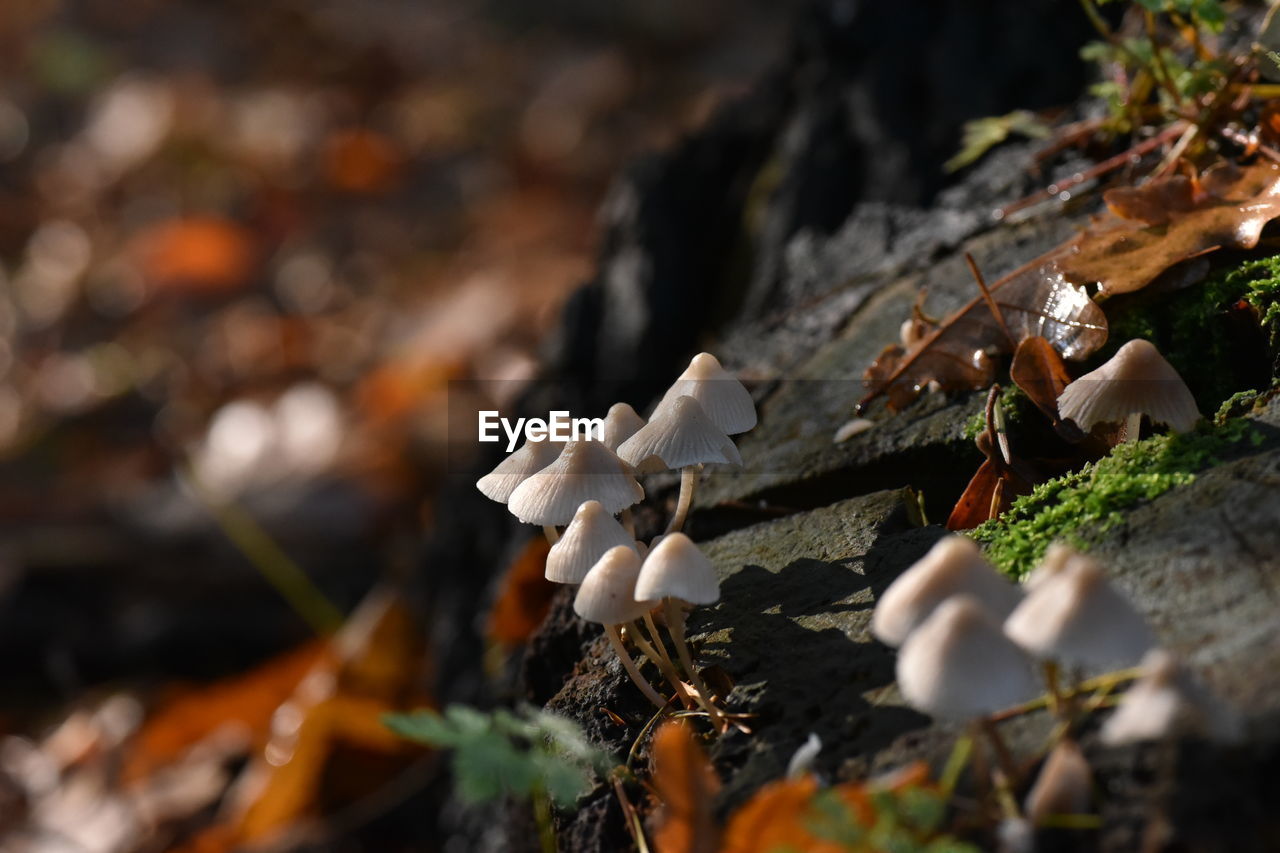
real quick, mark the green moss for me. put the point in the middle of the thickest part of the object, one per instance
(1194, 331)
(1092, 500)
(1012, 402)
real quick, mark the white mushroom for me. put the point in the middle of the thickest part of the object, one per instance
(1064, 786)
(680, 435)
(620, 423)
(954, 566)
(591, 533)
(1076, 617)
(721, 395)
(519, 466)
(1166, 702)
(959, 665)
(607, 597)
(584, 470)
(677, 571)
(1136, 381)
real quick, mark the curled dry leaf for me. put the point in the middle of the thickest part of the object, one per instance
(1041, 374)
(686, 784)
(1170, 220)
(1034, 300)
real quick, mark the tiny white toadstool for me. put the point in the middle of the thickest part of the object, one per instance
(607, 596)
(953, 566)
(719, 392)
(677, 571)
(680, 435)
(591, 533)
(1076, 617)
(1063, 787)
(1166, 702)
(1136, 381)
(529, 459)
(959, 665)
(620, 423)
(1056, 558)
(584, 470)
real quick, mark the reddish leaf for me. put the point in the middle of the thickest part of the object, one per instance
(983, 499)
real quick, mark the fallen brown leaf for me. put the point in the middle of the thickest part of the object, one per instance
(524, 596)
(1173, 219)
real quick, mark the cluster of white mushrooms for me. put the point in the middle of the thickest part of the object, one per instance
(969, 640)
(581, 493)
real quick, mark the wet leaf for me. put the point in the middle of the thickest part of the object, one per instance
(1173, 219)
(1034, 300)
(686, 784)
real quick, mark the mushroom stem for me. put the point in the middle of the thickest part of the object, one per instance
(660, 658)
(675, 624)
(688, 482)
(1003, 757)
(615, 640)
(628, 522)
(1057, 701)
(553, 535)
(1132, 427)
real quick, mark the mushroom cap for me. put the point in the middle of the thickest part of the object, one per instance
(1166, 702)
(1076, 616)
(1064, 785)
(519, 466)
(584, 471)
(952, 567)
(679, 434)
(1136, 379)
(721, 395)
(591, 533)
(607, 594)
(677, 568)
(620, 423)
(1056, 558)
(959, 664)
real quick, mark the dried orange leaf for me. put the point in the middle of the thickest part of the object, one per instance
(686, 784)
(200, 255)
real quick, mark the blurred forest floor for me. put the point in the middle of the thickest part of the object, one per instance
(244, 246)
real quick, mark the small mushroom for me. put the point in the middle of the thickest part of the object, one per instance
(1166, 702)
(1064, 786)
(1076, 617)
(589, 536)
(680, 435)
(607, 597)
(675, 572)
(954, 566)
(584, 470)
(620, 423)
(721, 395)
(519, 466)
(959, 665)
(1136, 381)
(1056, 558)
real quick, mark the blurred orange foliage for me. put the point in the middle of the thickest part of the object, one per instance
(524, 596)
(200, 255)
(686, 784)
